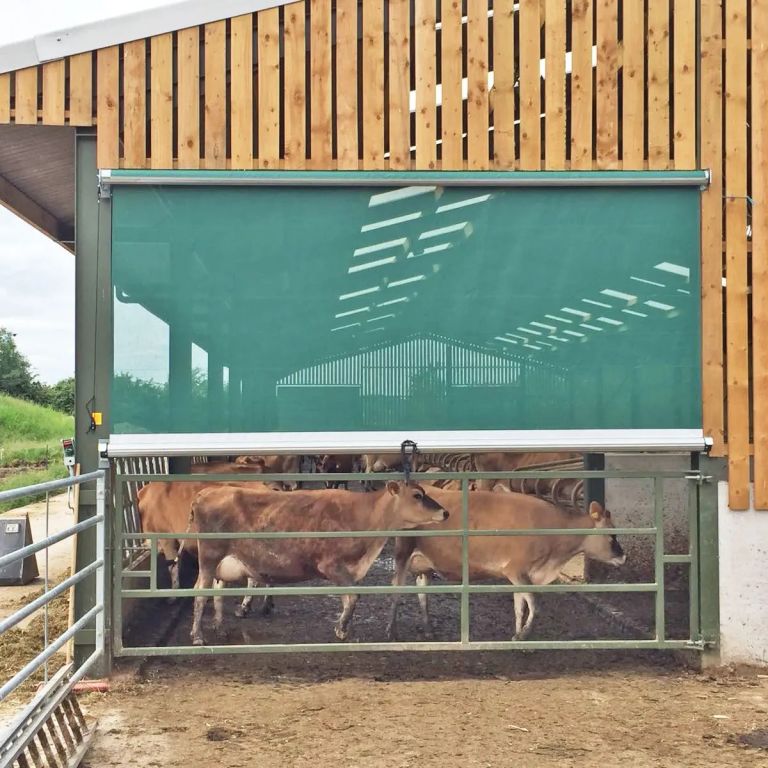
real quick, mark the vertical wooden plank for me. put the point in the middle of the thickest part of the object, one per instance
(107, 107)
(633, 88)
(188, 96)
(554, 96)
(53, 93)
(373, 79)
(241, 90)
(161, 95)
(426, 111)
(712, 224)
(503, 94)
(530, 85)
(269, 87)
(134, 104)
(5, 98)
(81, 89)
(346, 83)
(581, 85)
(685, 84)
(320, 118)
(216, 95)
(736, 252)
(26, 96)
(658, 84)
(607, 89)
(295, 88)
(760, 249)
(399, 84)
(477, 85)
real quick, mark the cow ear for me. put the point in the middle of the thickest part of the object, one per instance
(393, 487)
(596, 511)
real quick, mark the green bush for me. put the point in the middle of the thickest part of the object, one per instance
(29, 477)
(29, 433)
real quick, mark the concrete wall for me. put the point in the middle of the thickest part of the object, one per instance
(743, 539)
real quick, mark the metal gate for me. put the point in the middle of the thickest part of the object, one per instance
(51, 729)
(126, 585)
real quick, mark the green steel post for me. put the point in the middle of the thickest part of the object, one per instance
(117, 572)
(465, 561)
(693, 567)
(709, 576)
(153, 564)
(658, 513)
(93, 358)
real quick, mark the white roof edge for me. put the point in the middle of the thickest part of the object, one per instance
(123, 29)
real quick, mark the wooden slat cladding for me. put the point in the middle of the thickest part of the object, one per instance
(736, 252)
(713, 408)
(425, 68)
(353, 85)
(241, 89)
(269, 89)
(399, 83)
(607, 90)
(188, 106)
(161, 84)
(215, 88)
(135, 105)
(760, 249)
(347, 68)
(554, 99)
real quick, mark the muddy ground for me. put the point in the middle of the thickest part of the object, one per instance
(537, 710)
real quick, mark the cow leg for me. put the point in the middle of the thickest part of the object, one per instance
(522, 601)
(218, 611)
(337, 574)
(424, 580)
(267, 605)
(205, 580)
(403, 551)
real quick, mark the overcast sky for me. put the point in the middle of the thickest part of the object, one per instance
(37, 277)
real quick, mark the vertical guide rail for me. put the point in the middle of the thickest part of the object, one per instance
(117, 573)
(658, 515)
(694, 629)
(153, 564)
(465, 561)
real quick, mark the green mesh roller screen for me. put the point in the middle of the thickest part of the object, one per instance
(332, 308)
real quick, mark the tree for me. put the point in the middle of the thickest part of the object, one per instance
(16, 376)
(61, 396)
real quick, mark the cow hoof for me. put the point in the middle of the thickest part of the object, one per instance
(341, 634)
(391, 634)
(241, 612)
(198, 641)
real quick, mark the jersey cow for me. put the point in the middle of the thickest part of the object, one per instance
(520, 559)
(343, 561)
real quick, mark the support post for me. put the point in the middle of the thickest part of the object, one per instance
(93, 367)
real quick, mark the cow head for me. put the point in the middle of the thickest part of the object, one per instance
(605, 548)
(413, 505)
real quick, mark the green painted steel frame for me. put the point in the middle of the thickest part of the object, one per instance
(464, 589)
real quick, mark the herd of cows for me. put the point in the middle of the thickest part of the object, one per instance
(240, 506)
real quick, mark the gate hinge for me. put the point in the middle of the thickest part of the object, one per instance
(698, 478)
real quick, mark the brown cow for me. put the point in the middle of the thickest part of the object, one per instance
(282, 463)
(502, 462)
(520, 559)
(343, 561)
(342, 462)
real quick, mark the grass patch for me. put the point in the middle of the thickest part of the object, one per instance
(55, 471)
(30, 433)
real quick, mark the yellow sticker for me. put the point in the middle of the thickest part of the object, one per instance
(97, 418)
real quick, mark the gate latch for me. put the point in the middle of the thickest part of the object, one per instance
(698, 478)
(408, 451)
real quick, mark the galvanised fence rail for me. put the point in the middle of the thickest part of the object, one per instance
(464, 589)
(52, 722)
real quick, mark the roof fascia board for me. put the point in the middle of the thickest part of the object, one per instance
(123, 29)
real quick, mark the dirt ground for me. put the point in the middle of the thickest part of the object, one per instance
(537, 710)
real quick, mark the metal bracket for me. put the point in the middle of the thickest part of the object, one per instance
(698, 478)
(105, 184)
(103, 454)
(408, 451)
